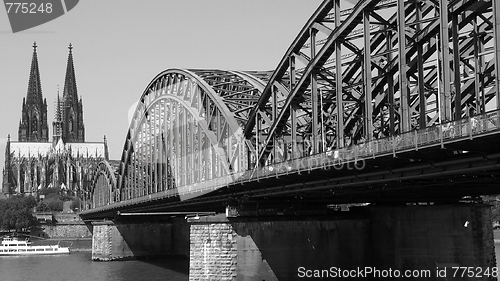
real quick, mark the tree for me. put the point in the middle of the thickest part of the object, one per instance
(29, 201)
(54, 204)
(15, 213)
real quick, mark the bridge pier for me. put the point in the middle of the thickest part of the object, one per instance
(424, 238)
(116, 240)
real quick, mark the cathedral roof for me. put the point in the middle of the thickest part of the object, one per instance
(35, 149)
(92, 149)
(23, 149)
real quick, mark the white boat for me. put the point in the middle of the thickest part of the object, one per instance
(12, 246)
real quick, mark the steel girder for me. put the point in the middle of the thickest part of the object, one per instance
(325, 74)
(186, 129)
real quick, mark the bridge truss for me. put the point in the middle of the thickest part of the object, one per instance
(364, 80)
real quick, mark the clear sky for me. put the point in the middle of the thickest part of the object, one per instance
(120, 46)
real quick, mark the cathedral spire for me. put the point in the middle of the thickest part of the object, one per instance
(34, 84)
(33, 127)
(73, 129)
(70, 93)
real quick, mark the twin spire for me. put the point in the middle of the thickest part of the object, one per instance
(34, 84)
(68, 117)
(69, 91)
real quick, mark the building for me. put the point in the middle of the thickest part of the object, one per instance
(66, 161)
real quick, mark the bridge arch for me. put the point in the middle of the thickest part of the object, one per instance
(103, 189)
(187, 128)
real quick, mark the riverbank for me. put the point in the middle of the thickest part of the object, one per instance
(75, 244)
(61, 225)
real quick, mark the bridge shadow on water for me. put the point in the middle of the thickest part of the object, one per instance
(178, 264)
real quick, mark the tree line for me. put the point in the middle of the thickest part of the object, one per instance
(16, 212)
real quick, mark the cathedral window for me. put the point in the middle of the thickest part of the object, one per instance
(71, 124)
(34, 126)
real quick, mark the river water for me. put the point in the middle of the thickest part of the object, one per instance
(78, 266)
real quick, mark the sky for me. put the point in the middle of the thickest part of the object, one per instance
(119, 46)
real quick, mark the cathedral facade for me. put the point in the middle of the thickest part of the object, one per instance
(66, 161)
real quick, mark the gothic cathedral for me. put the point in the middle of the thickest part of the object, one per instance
(65, 162)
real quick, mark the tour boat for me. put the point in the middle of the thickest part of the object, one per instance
(12, 246)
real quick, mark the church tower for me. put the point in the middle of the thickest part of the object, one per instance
(57, 124)
(70, 108)
(33, 124)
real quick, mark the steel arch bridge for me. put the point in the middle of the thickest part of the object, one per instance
(359, 81)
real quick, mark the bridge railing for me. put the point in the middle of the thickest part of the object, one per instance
(352, 157)
(413, 140)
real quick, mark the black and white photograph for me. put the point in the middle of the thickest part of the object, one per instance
(265, 140)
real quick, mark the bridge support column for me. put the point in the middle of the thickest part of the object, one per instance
(121, 241)
(403, 238)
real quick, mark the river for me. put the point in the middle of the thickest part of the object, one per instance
(78, 266)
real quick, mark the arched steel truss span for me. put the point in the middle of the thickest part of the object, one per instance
(372, 79)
